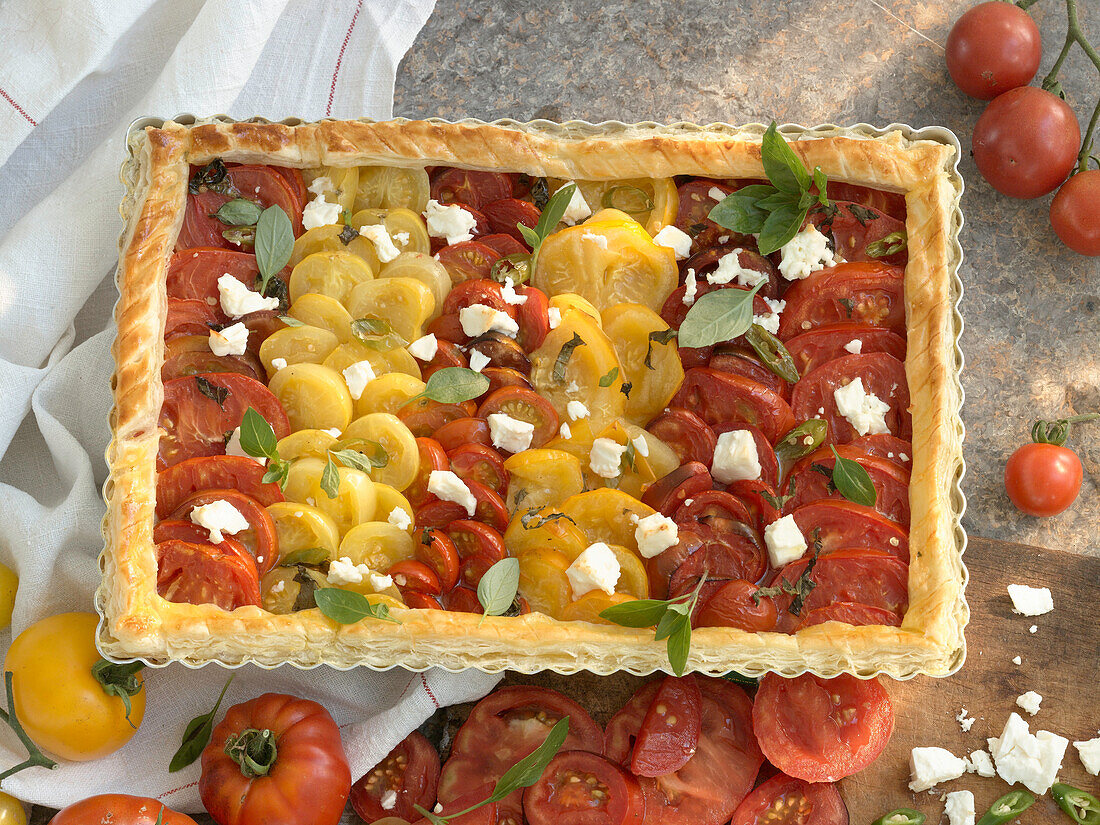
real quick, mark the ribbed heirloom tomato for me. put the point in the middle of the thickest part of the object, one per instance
(120, 809)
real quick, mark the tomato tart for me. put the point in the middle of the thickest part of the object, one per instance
(538, 396)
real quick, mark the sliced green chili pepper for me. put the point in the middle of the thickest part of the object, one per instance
(1008, 807)
(803, 439)
(902, 816)
(608, 201)
(772, 352)
(516, 266)
(1080, 806)
(892, 244)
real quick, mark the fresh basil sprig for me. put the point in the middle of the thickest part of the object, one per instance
(258, 440)
(776, 212)
(671, 617)
(197, 734)
(453, 385)
(498, 587)
(349, 607)
(330, 478)
(718, 316)
(852, 481)
(274, 243)
(548, 221)
(525, 773)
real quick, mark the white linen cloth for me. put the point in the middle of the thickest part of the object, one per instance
(73, 74)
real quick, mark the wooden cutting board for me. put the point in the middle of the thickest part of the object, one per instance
(1061, 661)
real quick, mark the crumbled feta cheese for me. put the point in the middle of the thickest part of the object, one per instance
(344, 571)
(278, 363)
(451, 222)
(357, 376)
(424, 348)
(594, 569)
(402, 238)
(218, 517)
(572, 387)
(577, 209)
(378, 582)
(576, 410)
(233, 340)
(1032, 759)
(691, 288)
(675, 239)
(1033, 629)
(641, 446)
(729, 269)
(785, 541)
(864, 410)
(599, 240)
(735, 457)
(478, 360)
(770, 322)
(321, 185)
(478, 319)
(447, 486)
(278, 587)
(714, 193)
(903, 456)
(855, 346)
(606, 457)
(960, 808)
(1030, 702)
(319, 212)
(1089, 751)
(723, 239)
(655, 534)
(233, 447)
(806, 252)
(237, 300)
(965, 722)
(931, 766)
(388, 800)
(399, 518)
(1016, 660)
(509, 294)
(980, 763)
(509, 433)
(564, 431)
(1030, 601)
(553, 317)
(383, 243)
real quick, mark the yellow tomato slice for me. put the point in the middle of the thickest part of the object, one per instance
(399, 223)
(542, 477)
(652, 202)
(399, 360)
(589, 606)
(352, 353)
(378, 545)
(405, 302)
(652, 365)
(571, 300)
(605, 515)
(314, 397)
(542, 580)
(424, 268)
(389, 393)
(400, 446)
(297, 345)
(391, 187)
(636, 473)
(633, 579)
(324, 312)
(333, 273)
(279, 588)
(584, 366)
(327, 239)
(344, 179)
(556, 533)
(305, 444)
(388, 500)
(355, 500)
(631, 268)
(662, 458)
(301, 527)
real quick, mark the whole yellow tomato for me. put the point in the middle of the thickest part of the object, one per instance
(9, 583)
(69, 701)
(12, 811)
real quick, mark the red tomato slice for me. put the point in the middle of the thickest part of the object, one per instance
(739, 360)
(260, 538)
(432, 456)
(451, 185)
(719, 399)
(890, 203)
(220, 472)
(479, 230)
(715, 780)
(479, 547)
(417, 600)
(886, 447)
(187, 355)
(476, 462)
(732, 605)
(410, 771)
(190, 532)
(881, 374)
(463, 600)
(812, 349)
(202, 574)
(485, 815)
(477, 291)
(670, 491)
(868, 293)
(504, 244)
(695, 203)
(261, 184)
(194, 273)
(714, 508)
(189, 316)
(503, 728)
(533, 318)
(838, 523)
(850, 613)
(447, 354)
(733, 552)
(783, 800)
(415, 576)
(423, 416)
(765, 453)
(438, 551)
(686, 433)
(523, 405)
(812, 478)
(582, 788)
(501, 351)
(293, 179)
(759, 498)
(821, 730)
(859, 576)
(490, 509)
(468, 260)
(669, 733)
(854, 226)
(470, 430)
(195, 425)
(505, 213)
(744, 247)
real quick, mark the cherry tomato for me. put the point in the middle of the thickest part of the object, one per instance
(119, 809)
(669, 492)
(437, 550)
(454, 434)
(686, 433)
(463, 600)
(178, 529)
(183, 480)
(817, 347)
(468, 260)
(670, 730)
(582, 788)
(505, 213)
(261, 184)
(490, 509)
(744, 247)
(1043, 479)
(524, 405)
(720, 398)
(695, 203)
(410, 771)
(416, 600)
(783, 800)
(1073, 213)
(812, 480)
(533, 318)
(500, 377)
(307, 779)
(838, 524)
(1026, 142)
(479, 547)
(451, 185)
(203, 574)
(882, 375)
(259, 537)
(821, 730)
(477, 291)
(416, 576)
(504, 244)
(424, 416)
(477, 462)
(502, 352)
(866, 292)
(992, 48)
(732, 605)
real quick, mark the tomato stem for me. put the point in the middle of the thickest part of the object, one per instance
(1075, 34)
(254, 750)
(35, 757)
(1056, 432)
(119, 680)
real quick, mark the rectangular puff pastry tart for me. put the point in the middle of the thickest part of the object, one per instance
(537, 396)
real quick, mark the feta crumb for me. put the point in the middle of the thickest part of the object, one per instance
(357, 376)
(233, 447)
(577, 209)
(478, 360)
(1032, 759)
(785, 541)
(564, 431)
(723, 239)
(383, 243)
(278, 364)
(451, 222)
(729, 269)
(509, 294)
(960, 808)
(806, 252)
(553, 317)
(903, 456)
(1030, 702)
(478, 319)
(388, 800)
(735, 457)
(509, 433)
(655, 534)
(1089, 751)
(218, 517)
(424, 348)
(675, 239)
(447, 486)
(378, 582)
(335, 432)
(233, 340)
(965, 722)
(855, 346)
(691, 288)
(1033, 629)
(599, 240)
(237, 300)
(606, 456)
(344, 571)
(770, 322)
(321, 185)
(278, 587)
(980, 763)
(931, 766)
(402, 238)
(863, 410)
(716, 194)
(1030, 601)
(596, 568)
(319, 212)
(1016, 660)
(576, 410)
(641, 446)
(399, 518)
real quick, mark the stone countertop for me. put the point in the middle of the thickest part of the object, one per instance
(1032, 308)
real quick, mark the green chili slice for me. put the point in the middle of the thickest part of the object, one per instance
(1080, 806)
(516, 266)
(889, 245)
(608, 201)
(803, 439)
(1008, 807)
(902, 816)
(772, 352)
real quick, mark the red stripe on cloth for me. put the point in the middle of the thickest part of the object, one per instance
(32, 122)
(177, 790)
(340, 58)
(428, 690)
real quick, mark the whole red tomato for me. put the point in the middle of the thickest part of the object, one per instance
(992, 48)
(1026, 142)
(119, 809)
(1075, 212)
(275, 760)
(1043, 479)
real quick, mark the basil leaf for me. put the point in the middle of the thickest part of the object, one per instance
(802, 440)
(527, 771)
(782, 166)
(678, 646)
(661, 336)
(348, 607)
(274, 242)
(739, 211)
(278, 472)
(564, 355)
(718, 316)
(213, 177)
(772, 352)
(309, 556)
(780, 199)
(358, 459)
(609, 379)
(377, 334)
(852, 481)
(669, 624)
(212, 391)
(453, 385)
(197, 734)
(291, 321)
(239, 212)
(822, 184)
(530, 235)
(781, 225)
(555, 208)
(257, 437)
(330, 479)
(498, 586)
(861, 213)
(636, 613)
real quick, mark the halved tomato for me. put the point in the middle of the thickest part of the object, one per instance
(220, 472)
(744, 248)
(472, 186)
(424, 416)
(816, 347)
(759, 498)
(719, 398)
(461, 431)
(731, 551)
(881, 375)
(490, 509)
(479, 547)
(523, 405)
(851, 613)
(669, 734)
(506, 213)
(582, 788)
(447, 354)
(437, 550)
(669, 492)
(260, 184)
(502, 352)
(181, 530)
(431, 456)
(854, 227)
(687, 434)
(259, 538)
(888, 447)
(821, 730)
(415, 576)
(480, 463)
(533, 318)
(867, 293)
(202, 574)
(468, 260)
(674, 310)
(812, 480)
(463, 600)
(477, 291)
(504, 244)
(838, 523)
(410, 771)
(733, 605)
(189, 316)
(783, 800)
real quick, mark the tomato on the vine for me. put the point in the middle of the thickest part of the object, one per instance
(992, 48)
(1074, 215)
(120, 809)
(1043, 478)
(12, 811)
